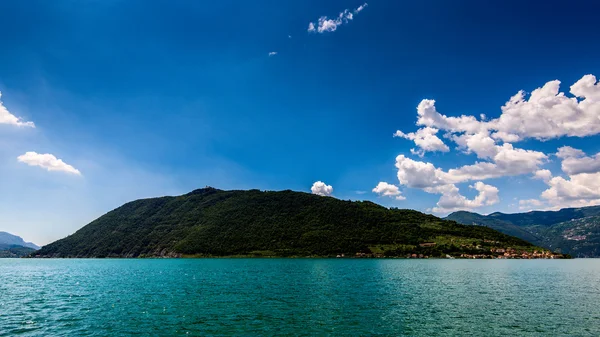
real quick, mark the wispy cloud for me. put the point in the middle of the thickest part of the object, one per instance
(360, 8)
(48, 162)
(325, 24)
(273, 53)
(7, 118)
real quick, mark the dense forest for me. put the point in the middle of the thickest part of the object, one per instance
(212, 222)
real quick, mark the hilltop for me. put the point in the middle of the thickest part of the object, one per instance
(212, 222)
(574, 231)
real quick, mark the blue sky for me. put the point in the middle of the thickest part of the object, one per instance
(148, 98)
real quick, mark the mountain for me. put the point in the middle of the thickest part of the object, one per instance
(14, 251)
(212, 222)
(574, 231)
(10, 239)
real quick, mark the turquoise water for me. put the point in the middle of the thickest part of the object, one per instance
(268, 297)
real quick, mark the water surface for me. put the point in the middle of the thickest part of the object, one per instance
(193, 297)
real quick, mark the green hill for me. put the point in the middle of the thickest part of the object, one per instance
(212, 222)
(574, 231)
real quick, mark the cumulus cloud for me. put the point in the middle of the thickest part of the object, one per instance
(479, 143)
(7, 118)
(388, 190)
(451, 200)
(547, 113)
(575, 191)
(580, 163)
(569, 152)
(507, 162)
(48, 162)
(544, 114)
(325, 24)
(418, 174)
(273, 53)
(320, 188)
(544, 175)
(426, 139)
(581, 187)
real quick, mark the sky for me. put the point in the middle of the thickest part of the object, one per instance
(431, 105)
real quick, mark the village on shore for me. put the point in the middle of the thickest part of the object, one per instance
(482, 253)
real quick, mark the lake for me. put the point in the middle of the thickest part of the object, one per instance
(268, 297)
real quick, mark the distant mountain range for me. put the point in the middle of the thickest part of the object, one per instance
(10, 239)
(574, 231)
(212, 222)
(14, 246)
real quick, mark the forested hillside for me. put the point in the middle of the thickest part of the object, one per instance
(212, 222)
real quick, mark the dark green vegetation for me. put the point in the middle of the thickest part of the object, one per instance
(212, 222)
(574, 231)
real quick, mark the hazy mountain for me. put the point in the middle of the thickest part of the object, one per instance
(14, 251)
(575, 231)
(10, 239)
(285, 223)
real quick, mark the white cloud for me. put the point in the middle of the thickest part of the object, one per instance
(7, 118)
(544, 175)
(273, 53)
(518, 161)
(328, 25)
(48, 162)
(429, 116)
(547, 113)
(479, 143)
(325, 24)
(544, 114)
(451, 200)
(360, 8)
(388, 190)
(320, 188)
(508, 161)
(426, 139)
(581, 163)
(568, 152)
(418, 174)
(582, 185)
(576, 191)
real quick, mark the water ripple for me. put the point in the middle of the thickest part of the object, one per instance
(230, 297)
